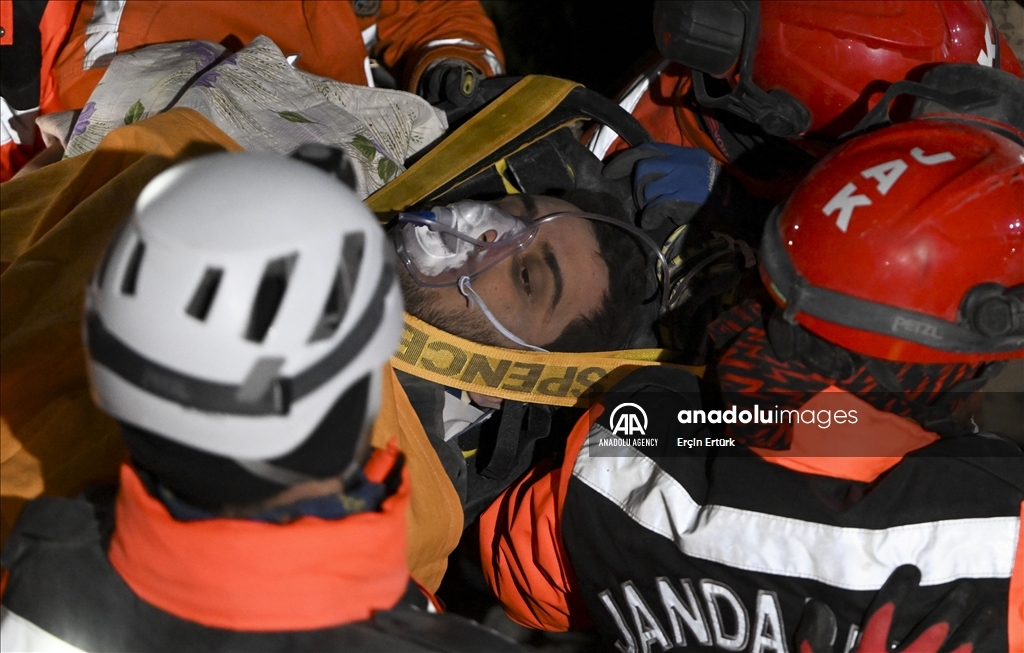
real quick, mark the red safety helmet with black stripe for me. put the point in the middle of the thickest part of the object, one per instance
(815, 68)
(907, 244)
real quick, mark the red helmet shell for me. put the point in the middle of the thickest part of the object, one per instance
(837, 56)
(913, 217)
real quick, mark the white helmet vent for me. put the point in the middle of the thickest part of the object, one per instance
(265, 291)
(269, 296)
(131, 273)
(341, 290)
(199, 306)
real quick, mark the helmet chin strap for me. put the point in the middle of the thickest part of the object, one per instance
(474, 299)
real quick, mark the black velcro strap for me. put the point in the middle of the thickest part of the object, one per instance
(514, 441)
(504, 457)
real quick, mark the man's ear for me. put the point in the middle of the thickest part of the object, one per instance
(485, 401)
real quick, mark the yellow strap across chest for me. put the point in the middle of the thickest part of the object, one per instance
(556, 379)
(497, 125)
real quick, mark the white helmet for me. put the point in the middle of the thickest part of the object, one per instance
(244, 296)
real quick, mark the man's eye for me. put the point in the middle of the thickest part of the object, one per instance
(525, 276)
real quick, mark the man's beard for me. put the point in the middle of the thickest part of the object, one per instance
(469, 323)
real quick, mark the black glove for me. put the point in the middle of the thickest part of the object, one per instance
(669, 181)
(449, 81)
(955, 626)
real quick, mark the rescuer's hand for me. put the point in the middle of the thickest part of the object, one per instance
(955, 626)
(669, 181)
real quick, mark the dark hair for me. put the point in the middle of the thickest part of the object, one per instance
(619, 318)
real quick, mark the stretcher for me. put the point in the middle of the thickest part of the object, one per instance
(56, 221)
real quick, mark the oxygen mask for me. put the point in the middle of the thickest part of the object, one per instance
(443, 245)
(463, 239)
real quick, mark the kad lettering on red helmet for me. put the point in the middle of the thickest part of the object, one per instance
(886, 175)
(845, 202)
(930, 159)
(987, 57)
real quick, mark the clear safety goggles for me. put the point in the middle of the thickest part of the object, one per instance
(447, 243)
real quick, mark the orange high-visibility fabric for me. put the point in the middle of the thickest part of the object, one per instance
(327, 35)
(860, 451)
(657, 110)
(53, 29)
(54, 225)
(7, 22)
(14, 156)
(525, 562)
(408, 33)
(435, 512)
(247, 575)
(521, 550)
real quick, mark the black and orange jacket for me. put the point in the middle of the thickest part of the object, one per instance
(217, 584)
(719, 547)
(661, 98)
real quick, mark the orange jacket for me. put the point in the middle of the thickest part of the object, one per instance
(15, 152)
(521, 550)
(333, 38)
(660, 98)
(525, 560)
(216, 572)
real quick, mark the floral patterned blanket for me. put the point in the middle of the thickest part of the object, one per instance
(262, 102)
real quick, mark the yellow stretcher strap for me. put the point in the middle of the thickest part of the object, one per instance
(432, 354)
(498, 124)
(556, 379)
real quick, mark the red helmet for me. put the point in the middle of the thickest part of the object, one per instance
(907, 244)
(815, 68)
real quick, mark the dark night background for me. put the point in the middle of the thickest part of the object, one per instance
(601, 46)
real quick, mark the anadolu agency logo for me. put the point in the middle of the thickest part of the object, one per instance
(628, 419)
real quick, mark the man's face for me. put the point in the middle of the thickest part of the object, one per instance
(535, 293)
